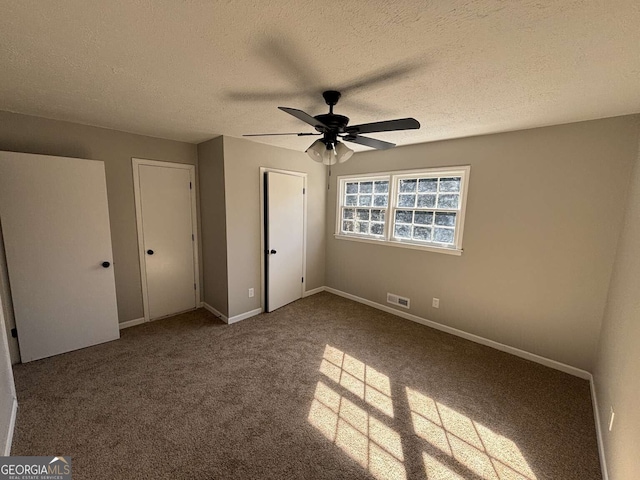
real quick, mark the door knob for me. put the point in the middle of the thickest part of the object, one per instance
(106, 264)
(273, 252)
(149, 252)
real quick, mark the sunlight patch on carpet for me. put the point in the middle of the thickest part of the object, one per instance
(366, 439)
(358, 378)
(347, 411)
(475, 447)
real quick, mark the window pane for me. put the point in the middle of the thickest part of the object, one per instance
(377, 215)
(404, 216)
(447, 219)
(448, 201)
(402, 231)
(381, 187)
(406, 200)
(443, 235)
(423, 218)
(362, 227)
(363, 214)
(364, 200)
(408, 186)
(377, 228)
(347, 226)
(422, 233)
(380, 200)
(366, 187)
(347, 213)
(428, 201)
(352, 188)
(450, 184)
(428, 185)
(351, 200)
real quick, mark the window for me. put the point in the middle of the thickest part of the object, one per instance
(417, 209)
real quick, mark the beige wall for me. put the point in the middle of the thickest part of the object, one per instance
(212, 217)
(22, 133)
(617, 372)
(242, 162)
(543, 215)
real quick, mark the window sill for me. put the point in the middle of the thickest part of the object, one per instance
(391, 243)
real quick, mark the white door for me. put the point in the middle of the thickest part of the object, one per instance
(8, 399)
(168, 239)
(55, 222)
(284, 232)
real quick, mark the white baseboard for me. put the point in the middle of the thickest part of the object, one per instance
(235, 318)
(313, 291)
(218, 314)
(468, 336)
(596, 418)
(130, 323)
(12, 424)
(242, 316)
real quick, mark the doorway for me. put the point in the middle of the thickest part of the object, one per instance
(167, 236)
(283, 236)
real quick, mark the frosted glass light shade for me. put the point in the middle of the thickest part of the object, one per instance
(343, 153)
(329, 157)
(317, 151)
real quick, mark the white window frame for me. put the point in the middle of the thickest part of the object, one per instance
(394, 178)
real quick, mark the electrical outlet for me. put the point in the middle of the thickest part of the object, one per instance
(613, 414)
(251, 292)
(435, 303)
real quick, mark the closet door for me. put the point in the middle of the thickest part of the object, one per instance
(55, 222)
(168, 237)
(284, 231)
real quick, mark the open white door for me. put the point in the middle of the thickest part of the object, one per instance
(284, 234)
(167, 236)
(55, 223)
(8, 398)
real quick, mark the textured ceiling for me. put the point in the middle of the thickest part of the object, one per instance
(192, 70)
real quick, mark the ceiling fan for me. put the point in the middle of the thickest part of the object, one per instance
(329, 150)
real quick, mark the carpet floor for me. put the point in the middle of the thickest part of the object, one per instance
(323, 388)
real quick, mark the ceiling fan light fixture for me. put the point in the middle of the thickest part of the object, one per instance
(343, 153)
(317, 151)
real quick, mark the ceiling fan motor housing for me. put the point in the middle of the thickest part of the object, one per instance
(336, 123)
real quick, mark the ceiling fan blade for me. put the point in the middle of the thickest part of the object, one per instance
(266, 96)
(305, 117)
(368, 142)
(271, 134)
(390, 74)
(385, 126)
(284, 55)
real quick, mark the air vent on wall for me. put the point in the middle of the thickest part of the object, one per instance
(398, 300)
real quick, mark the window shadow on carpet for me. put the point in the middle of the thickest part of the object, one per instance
(354, 409)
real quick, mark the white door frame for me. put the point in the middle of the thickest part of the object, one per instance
(136, 162)
(264, 170)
